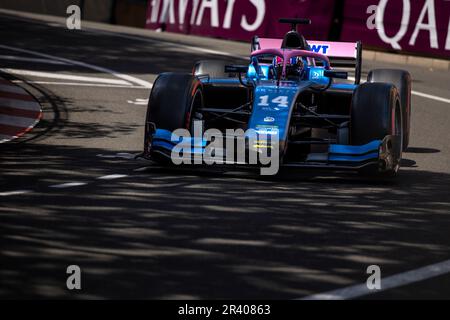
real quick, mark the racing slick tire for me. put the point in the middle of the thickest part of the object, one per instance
(402, 80)
(213, 68)
(376, 113)
(171, 103)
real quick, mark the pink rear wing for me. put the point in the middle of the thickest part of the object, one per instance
(342, 55)
(329, 48)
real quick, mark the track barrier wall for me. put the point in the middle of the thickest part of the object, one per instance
(418, 27)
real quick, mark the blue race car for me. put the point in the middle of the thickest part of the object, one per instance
(289, 90)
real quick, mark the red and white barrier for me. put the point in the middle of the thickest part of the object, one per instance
(19, 111)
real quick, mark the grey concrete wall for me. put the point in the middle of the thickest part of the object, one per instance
(98, 10)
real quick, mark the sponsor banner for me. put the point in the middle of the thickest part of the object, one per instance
(240, 19)
(412, 26)
(416, 26)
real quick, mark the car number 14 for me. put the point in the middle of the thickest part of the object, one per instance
(280, 101)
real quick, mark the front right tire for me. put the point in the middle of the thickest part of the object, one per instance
(376, 113)
(401, 79)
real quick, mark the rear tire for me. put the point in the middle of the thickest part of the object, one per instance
(376, 112)
(402, 81)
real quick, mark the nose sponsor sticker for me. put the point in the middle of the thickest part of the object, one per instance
(267, 130)
(269, 119)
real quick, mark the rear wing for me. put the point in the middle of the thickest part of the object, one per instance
(342, 55)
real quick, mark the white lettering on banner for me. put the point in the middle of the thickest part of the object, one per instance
(430, 26)
(168, 9)
(228, 14)
(394, 41)
(155, 11)
(428, 14)
(447, 43)
(213, 6)
(260, 14)
(372, 10)
(182, 6)
(163, 11)
(194, 11)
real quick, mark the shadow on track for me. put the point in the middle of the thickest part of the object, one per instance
(176, 233)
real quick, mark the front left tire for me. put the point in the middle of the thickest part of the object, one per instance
(172, 100)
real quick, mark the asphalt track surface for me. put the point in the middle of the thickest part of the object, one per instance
(71, 194)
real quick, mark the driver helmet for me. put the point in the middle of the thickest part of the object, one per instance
(294, 68)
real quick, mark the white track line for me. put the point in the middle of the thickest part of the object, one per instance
(417, 93)
(113, 176)
(14, 193)
(83, 64)
(140, 102)
(34, 60)
(68, 185)
(122, 155)
(54, 75)
(175, 44)
(78, 84)
(142, 169)
(4, 138)
(432, 97)
(63, 185)
(387, 283)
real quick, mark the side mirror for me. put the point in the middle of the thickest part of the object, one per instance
(239, 70)
(236, 69)
(335, 74)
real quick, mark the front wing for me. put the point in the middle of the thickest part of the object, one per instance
(385, 153)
